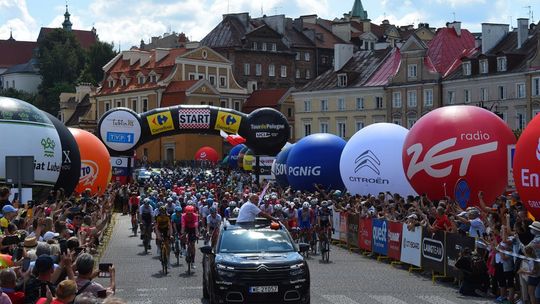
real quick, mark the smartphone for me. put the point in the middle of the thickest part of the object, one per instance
(102, 294)
(10, 240)
(104, 270)
(25, 264)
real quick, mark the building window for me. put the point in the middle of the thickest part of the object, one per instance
(141, 79)
(412, 70)
(411, 99)
(428, 97)
(191, 76)
(307, 128)
(289, 112)
(254, 45)
(307, 105)
(153, 78)
(359, 125)
(467, 68)
(308, 74)
(272, 70)
(118, 103)
(536, 86)
(324, 59)
(342, 80)
(396, 121)
(107, 106)
(341, 104)
(341, 128)
(247, 69)
(263, 46)
(237, 105)
(307, 56)
(324, 127)
(359, 103)
(145, 105)
(134, 105)
(467, 96)
(212, 79)
(201, 76)
(520, 88)
(258, 69)
(483, 66)
(283, 71)
(501, 64)
(298, 73)
(223, 81)
(379, 102)
(111, 83)
(223, 103)
(484, 94)
(396, 100)
(410, 122)
(324, 105)
(520, 122)
(298, 55)
(124, 82)
(274, 47)
(502, 92)
(451, 97)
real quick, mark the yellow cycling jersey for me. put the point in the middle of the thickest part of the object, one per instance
(162, 221)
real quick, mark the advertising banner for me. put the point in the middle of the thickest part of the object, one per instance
(380, 236)
(265, 167)
(343, 226)
(394, 240)
(411, 245)
(352, 230)
(365, 234)
(454, 244)
(433, 251)
(336, 225)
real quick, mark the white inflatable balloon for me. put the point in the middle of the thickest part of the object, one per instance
(371, 161)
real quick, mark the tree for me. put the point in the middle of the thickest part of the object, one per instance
(22, 95)
(97, 56)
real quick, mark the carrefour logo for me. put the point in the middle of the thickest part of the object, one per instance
(160, 122)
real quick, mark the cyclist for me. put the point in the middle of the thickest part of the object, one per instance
(266, 207)
(235, 212)
(324, 220)
(305, 221)
(190, 224)
(170, 206)
(279, 214)
(176, 220)
(133, 208)
(292, 215)
(212, 222)
(145, 213)
(229, 211)
(163, 227)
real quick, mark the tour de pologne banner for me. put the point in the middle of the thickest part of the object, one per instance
(336, 225)
(434, 251)
(411, 246)
(343, 226)
(454, 244)
(352, 229)
(365, 234)
(380, 238)
(394, 240)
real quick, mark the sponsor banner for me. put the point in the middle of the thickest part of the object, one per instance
(120, 130)
(411, 246)
(394, 240)
(194, 118)
(380, 236)
(336, 225)
(343, 226)
(433, 251)
(121, 162)
(89, 173)
(454, 244)
(160, 122)
(352, 229)
(365, 234)
(510, 166)
(265, 167)
(117, 171)
(228, 122)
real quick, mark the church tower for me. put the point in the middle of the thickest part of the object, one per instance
(66, 25)
(358, 11)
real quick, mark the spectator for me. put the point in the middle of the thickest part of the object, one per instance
(41, 279)
(4, 197)
(65, 293)
(85, 267)
(8, 282)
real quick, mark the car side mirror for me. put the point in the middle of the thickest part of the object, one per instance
(207, 249)
(302, 247)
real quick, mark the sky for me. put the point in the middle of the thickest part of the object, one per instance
(126, 22)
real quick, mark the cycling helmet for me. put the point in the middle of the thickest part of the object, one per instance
(236, 211)
(169, 200)
(212, 210)
(232, 204)
(146, 201)
(337, 193)
(190, 209)
(278, 207)
(162, 209)
(324, 204)
(296, 200)
(273, 196)
(305, 205)
(178, 209)
(210, 201)
(313, 202)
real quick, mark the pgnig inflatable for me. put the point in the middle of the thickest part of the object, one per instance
(266, 130)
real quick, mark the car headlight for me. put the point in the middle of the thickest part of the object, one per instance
(297, 269)
(225, 271)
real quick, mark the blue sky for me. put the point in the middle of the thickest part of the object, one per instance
(125, 22)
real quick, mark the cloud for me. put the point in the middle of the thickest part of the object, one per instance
(456, 3)
(308, 7)
(18, 20)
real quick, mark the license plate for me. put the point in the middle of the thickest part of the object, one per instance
(263, 289)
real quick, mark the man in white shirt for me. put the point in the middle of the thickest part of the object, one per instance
(249, 211)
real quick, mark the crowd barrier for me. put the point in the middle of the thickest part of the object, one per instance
(388, 240)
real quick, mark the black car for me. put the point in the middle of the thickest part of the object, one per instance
(255, 263)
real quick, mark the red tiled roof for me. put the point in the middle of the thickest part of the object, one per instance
(86, 38)
(263, 98)
(388, 69)
(447, 46)
(173, 99)
(180, 86)
(457, 63)
(15, 52)
(328, 39)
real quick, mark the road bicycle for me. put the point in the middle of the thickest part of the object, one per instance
(324, 244)
(134, 224)
(146, 234)
(165, 253)
(176, 249)
(190, 253)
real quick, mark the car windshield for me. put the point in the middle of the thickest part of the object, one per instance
(250, 241)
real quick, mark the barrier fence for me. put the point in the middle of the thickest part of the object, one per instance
(420, 249)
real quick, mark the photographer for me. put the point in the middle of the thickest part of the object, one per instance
(85, 267)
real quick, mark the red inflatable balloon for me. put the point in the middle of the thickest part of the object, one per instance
(464, 144)
(527, 167)
(207, 153)
(95, 162)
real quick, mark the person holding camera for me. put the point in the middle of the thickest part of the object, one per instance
(85, 267)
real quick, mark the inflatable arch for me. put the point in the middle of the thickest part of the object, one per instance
(266, 130)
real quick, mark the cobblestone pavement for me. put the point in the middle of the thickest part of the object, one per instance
(349, 279)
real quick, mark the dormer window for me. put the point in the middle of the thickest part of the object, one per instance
(152, 77)
(483, 66)
(501, 64)
(111, 83)
(124, 81)
(274, 47)
(466, 68)
(264, 46)
(254, 45)
(141, 79)
(342, 80)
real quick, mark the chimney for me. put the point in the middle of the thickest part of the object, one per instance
(366, 25)
(492, 33)
(522, 31)
(456, 25)
(309, 19)
(342, 30)
(342, 54)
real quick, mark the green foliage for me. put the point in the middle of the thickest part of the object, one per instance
(13, 93)
(97, 56)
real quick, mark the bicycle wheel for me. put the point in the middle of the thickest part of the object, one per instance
(325, 250)
(164, 257)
